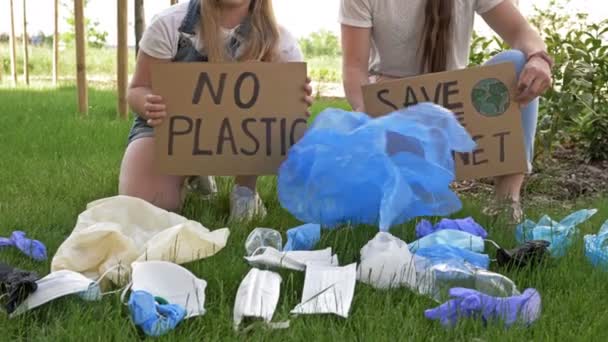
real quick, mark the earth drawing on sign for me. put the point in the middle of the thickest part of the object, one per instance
(491, 97)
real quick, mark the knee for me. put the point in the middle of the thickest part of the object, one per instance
(169, 199)
(517, 57)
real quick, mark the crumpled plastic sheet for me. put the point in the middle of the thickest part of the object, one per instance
(303, 238)
(439, 254)
(351, 168)
(153, 318)
(424, 227)
(559, 234)
(263, 237)
(454, 238)
(524, 309)
(30, 247)
(15, 286)
(596, 248)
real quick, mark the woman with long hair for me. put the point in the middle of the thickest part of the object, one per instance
(198, 31)
(384, 39)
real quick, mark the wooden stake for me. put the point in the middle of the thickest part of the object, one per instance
(81, 66)
(26, 71)
(122, 59)
(140, 23)
(56, 45)
(13, 46)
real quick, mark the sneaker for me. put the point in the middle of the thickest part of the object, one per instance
(204, 186)
(245, 204)
(509, 209)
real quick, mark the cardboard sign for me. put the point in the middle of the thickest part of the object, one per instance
(481, 98)
(228, 119)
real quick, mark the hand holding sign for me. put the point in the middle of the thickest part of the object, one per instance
(156, 110)
(229, 119)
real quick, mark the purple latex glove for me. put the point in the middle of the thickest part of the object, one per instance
(525, 308)
(424, 227)
(32, 248)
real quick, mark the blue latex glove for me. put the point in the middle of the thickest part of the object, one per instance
(455, 238)
(596, 248)
(303, 238)
(470, 303)
(559, 234)
(424, 227)
(154, 319)
(351, 168)
(32, 248)
(439, 254)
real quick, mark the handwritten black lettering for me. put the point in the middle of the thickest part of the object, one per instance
(216, 95)
(501, 145)
(173, 132)
(196, 151)
(226, 135)
(251, 136)
(238, 87)
(381, 98)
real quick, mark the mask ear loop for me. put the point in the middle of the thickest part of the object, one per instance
(124, 293)
(495, 245)
(122, 289)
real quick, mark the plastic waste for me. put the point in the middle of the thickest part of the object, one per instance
(257, 296)
(15, 286)
(454, 238)
(386, 262)
(438, 254)
(350, 168)
(424, 227)
(171, 282)
(154, 319)
(270, 258)
(531, 253)
(596, 248)
(32, 248)
(263, 237)
(559, 234)
(328, 290)
(303, 238)
(435, 281)
(524, 309)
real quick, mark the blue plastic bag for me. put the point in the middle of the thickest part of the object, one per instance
(153, 318)
(559, 234)
(454, 238)
(596, 248)
(424, 227)
(303, 238)
(350, 168)
(439, 254)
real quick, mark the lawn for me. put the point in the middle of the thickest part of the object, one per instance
(54, 162)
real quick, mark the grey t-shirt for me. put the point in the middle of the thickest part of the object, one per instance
(396, 28)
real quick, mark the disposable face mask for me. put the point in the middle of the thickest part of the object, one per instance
(257, 296)
(439, 254)
(263, 237)
(328, 290)
(596, 248)
(172, 283)
(267, 257)
(59, 284)
(454, 238)
(386, 262)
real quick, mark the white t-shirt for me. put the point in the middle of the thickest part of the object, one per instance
(396, 28)
(161, 38)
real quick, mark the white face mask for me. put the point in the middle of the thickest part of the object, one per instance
(386, 262)
(257, 296)
(328, 290)
(171, 282)
(59, 284)
(268, 257)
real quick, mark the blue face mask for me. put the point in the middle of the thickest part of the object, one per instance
(439, 254)
(454, 238)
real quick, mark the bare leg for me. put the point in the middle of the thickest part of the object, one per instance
(509, 187)
(247, 181)
(138, 177)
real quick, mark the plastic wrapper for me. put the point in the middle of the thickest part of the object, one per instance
(350, 168)
(596, 248)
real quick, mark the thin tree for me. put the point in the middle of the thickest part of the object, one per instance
(56, 44)
(140, 23)
(13, 46)
(26, 71)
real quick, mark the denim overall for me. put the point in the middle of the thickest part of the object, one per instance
(187, 52)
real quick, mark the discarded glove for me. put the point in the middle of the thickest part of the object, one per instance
(596, 248)
(32, 248)
(424, 227)
(559, 234)
(439, 254)
(303, 238)
(531, 253)
(466, 303)
(454, 238)
(263, 237)
(15, 286)
(350, 168)
(153, 318)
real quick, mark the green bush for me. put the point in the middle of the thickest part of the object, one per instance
(575, 109)
(322, 43)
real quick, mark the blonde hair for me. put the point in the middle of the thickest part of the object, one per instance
(261, 40)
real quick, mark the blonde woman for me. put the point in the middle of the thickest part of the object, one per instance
(198, 31)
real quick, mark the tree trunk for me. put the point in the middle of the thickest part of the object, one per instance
(56, 44)
(140, 23)
(122, 58)
(13, 46)
(26, 71)
(81, 65)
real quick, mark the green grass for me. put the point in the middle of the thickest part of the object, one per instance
(54, 162)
